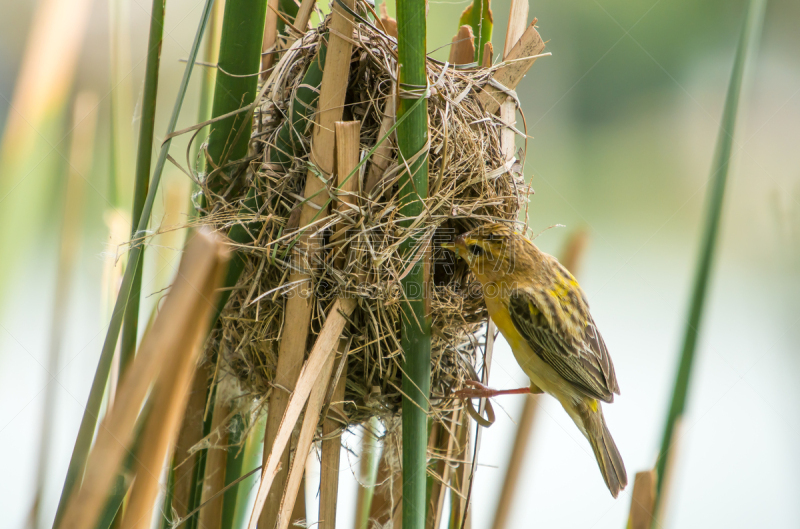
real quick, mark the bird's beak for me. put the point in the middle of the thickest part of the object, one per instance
(455, 245)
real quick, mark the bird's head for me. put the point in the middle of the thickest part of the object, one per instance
(489, 250)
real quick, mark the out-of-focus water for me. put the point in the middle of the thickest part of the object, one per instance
(623, 119)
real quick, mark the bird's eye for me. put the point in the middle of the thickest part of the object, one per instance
(474, 249)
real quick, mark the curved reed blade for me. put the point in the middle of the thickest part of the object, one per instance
(130, 325)
(751, 31)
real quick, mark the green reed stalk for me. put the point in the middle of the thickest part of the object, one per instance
(412, 138)
(719, 172)
(236, 83)
(235, 87)
(144, 158)
(233, 470)
(91, 413)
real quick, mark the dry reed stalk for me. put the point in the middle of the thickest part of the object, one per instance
(299, 511)
(442, 447)
(39, 101)
(323, 348)
(298, 307)
(48, 68)
(84, 121)
(513, 68)
(191, 433)
(386, 500)
(517, 20)
(304, 14)
(304, 442)
(643, 500)
(212, 499)
(270, 41)
(382, 156)
(348, 141)
(195, 296)
(574, 250)
(462, 51)
(181, 320)
(347, 136)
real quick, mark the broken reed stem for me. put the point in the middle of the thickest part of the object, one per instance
(388, 23)
(347, 136)
(92, 411)
(479, 17)
(172, 342)
(462, 50)
(750, 34)
(299, 305)
(509, 74)
(415, 339)
(84, 121)
(643, 500)
(488, 55)
(144, 158)
(324, 348)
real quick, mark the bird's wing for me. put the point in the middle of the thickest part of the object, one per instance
(581, 356)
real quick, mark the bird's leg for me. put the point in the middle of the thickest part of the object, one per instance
(479, 391)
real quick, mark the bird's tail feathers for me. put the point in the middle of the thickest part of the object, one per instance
(605, 450)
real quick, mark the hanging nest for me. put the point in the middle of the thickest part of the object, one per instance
(470, 182)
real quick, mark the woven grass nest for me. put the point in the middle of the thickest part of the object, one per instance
(470, 182)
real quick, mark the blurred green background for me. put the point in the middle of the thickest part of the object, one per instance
(623, 118)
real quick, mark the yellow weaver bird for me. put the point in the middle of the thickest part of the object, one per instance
(543, 314)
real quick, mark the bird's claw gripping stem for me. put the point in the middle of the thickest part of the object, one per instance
(479, 391)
